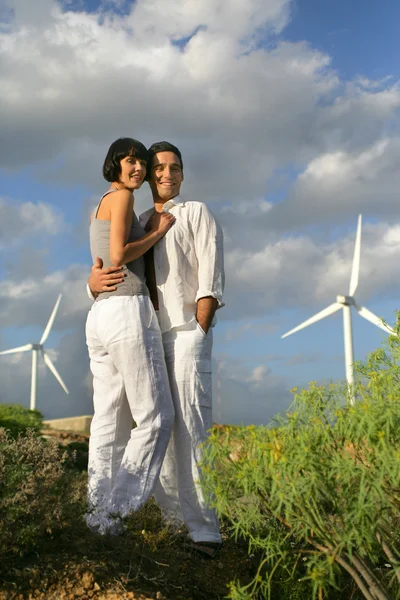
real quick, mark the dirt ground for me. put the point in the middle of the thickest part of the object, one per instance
(139, 565)
(150, 561)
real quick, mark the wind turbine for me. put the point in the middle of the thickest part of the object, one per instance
(36, 348)
(345, 303)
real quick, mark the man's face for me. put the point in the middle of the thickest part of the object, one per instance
(166, 176)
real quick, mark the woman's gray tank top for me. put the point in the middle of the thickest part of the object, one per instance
(134, 280)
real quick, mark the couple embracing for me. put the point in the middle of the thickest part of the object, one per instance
(149, 335)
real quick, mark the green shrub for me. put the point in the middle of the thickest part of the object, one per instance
(16, 419)
(319, 493)
(39, 495)
(79, 454)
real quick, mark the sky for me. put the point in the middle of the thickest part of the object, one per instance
(287, 116)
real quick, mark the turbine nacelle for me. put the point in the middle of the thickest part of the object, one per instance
(346, 300)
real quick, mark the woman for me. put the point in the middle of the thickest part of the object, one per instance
(126, 353)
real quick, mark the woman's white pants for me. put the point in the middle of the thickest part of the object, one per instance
(130, 382)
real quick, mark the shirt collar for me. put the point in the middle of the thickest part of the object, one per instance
(177, 201)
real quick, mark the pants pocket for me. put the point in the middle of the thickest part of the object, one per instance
(199, 327)
(202, 393)
(150, 318)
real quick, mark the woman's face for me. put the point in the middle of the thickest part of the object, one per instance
(133, 172)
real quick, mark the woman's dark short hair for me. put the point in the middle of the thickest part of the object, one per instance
(118, 150)
(162, 147)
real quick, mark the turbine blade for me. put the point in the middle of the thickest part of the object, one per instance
(55, 372)
(329, 310)
(20, 349)
(50, 321)
(369, 316)
(355, 271)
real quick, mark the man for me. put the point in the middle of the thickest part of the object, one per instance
(186, 278)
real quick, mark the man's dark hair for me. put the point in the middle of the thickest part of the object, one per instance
(118, 150)
(162, 147)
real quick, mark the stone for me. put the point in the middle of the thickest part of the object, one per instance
(87, 580)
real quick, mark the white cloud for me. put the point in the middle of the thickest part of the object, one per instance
(72, 83)
(73, 365)
(294, 271)
(250, 395)
(30, 302)
(340, 184)
(259, 374)
(219, 17)
(22, 220)
(297, 271)
(254, 328)
(270, 135)
(241, 401)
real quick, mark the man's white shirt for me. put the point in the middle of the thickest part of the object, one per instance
(188, 262)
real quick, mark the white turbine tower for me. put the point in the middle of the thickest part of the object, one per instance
(345, 303)
(36, 348)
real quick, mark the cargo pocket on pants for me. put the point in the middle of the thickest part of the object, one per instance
(202, 393)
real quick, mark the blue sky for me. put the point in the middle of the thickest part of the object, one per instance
(287, 137)
(360, 36)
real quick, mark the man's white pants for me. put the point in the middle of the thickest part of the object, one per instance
(130, 381)
(178, 492)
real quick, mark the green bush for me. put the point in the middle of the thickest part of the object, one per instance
(40, 496)
(16, 419)
(318, 493)
(79, 453)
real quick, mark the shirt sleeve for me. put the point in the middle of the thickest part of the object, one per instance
(89, 293)
(208, 243)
